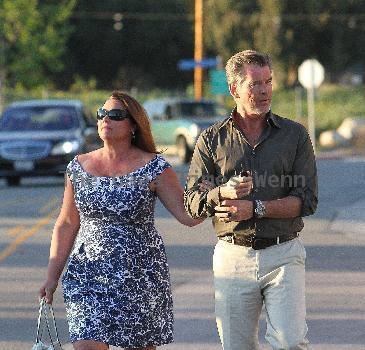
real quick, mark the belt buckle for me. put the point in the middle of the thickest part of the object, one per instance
(258, 244)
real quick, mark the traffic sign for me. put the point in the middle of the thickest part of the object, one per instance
(218, 82)
(190, 64)
(311, 74)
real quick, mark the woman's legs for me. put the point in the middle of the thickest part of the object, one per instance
(95, 345)
(89, 345)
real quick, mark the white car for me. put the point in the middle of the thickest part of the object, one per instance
(177, 123)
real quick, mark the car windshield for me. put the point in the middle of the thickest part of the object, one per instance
(200, 109)
(39, 118)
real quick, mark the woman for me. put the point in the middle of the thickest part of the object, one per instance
(116, 286)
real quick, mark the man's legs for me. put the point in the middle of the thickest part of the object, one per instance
(238, 300)
(282, 276)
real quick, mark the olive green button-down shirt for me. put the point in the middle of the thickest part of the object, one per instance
(281, 164)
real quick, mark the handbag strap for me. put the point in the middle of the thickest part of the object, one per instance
(43, 314)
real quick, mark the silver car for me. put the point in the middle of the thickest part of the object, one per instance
(39, 137)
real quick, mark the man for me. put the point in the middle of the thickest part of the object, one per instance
(259, 258)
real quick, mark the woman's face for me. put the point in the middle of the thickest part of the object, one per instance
(114, 130)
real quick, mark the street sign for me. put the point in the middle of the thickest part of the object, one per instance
(311, 74)
(218, 82)
(190, 64)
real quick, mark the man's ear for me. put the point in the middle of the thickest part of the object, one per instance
(233, 90)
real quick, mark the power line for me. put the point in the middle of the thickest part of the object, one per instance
(171, 16)
(143, 16)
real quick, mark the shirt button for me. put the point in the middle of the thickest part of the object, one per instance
(256, 190)
(253, 153)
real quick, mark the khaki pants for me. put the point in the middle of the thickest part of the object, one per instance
(245, 279)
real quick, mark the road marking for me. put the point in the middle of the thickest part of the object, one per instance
(14, 201)
(15, 230)
(49, 205)
(11, 248)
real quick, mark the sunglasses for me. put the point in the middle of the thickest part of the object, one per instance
(113, 114)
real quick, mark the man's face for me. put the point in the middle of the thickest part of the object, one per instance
(253, 95)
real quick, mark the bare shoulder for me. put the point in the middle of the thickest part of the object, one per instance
(144, 157)
(86, 158)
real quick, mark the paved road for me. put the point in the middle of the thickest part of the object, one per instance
(334, 238)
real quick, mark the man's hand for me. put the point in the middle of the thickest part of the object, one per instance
(205, 186)
(234, 210)
(236, 188)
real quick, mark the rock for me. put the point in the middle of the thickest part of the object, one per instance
(352, 129)
(331, 138)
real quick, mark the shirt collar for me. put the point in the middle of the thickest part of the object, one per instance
(274, 119)
(271, 118)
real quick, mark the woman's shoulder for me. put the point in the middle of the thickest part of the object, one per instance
(78, 162)
(86, 157)
(145, 157)
(154, 163)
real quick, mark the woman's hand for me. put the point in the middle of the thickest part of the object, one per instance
(47, 291)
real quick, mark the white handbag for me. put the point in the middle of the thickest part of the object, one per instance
(47, 319)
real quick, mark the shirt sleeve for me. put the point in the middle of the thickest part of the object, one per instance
(201, 204)
(305, 182)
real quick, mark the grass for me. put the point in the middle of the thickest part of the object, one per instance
(333, 103)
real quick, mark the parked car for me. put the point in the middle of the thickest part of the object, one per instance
(39, 137)
(177, 123)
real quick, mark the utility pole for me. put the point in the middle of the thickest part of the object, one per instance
(198, 50)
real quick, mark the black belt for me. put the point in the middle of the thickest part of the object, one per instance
(258, 242)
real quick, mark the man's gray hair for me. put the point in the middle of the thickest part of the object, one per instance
(235, 65)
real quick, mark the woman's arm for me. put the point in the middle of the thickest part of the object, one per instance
(170, 192)
(63, 237)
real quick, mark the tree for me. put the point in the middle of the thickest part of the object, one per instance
(239, 25)
(33, 37)
(155, 35)
(227, 26)
(267, 32)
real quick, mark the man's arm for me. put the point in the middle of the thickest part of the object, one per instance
(197, 203)
(303, 198)
(304, 176)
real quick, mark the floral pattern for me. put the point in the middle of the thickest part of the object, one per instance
(117, 285)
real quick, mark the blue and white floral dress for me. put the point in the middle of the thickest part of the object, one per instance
(117, 285)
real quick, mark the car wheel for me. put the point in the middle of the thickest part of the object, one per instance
(13, 180)
(183, 151)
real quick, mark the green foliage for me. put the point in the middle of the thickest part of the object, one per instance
(333, 31)
(34, 35)
(81, 85)
(333, 103)
(49, 43)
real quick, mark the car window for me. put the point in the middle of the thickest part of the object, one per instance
(39, 118)
(154, 108)
(199, 109)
